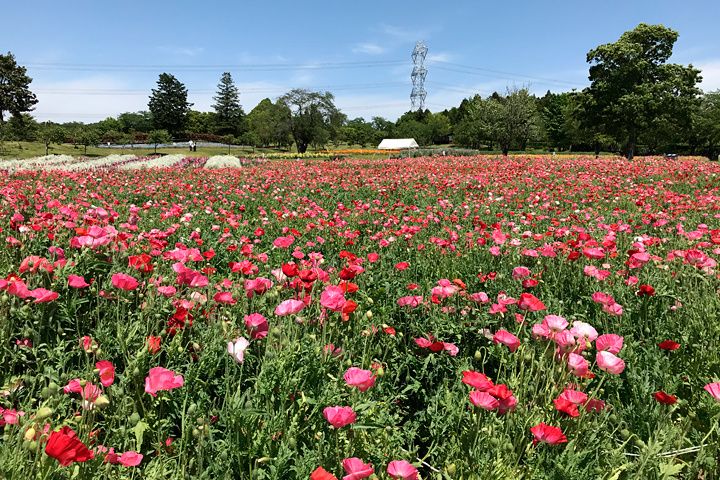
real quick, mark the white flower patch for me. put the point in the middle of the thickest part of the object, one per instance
(223, 161)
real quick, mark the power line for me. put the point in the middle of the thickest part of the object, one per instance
(458, 68)
(146, 92)
(225, 67)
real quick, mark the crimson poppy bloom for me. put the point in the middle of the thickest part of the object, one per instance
(668, 345)
(64, 446)
(665, 398)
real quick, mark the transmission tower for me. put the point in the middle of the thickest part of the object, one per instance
(419, 72)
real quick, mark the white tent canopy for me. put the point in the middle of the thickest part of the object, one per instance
(397, 144)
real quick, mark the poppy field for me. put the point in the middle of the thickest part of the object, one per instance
(437, 317)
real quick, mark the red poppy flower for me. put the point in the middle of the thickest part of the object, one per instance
(665, 398)
(66, 448)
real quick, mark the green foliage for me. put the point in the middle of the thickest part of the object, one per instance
(269, 124)
(634, 91)
(229, 115)
(313, 119)
(15, 94)
(168, 104)
(157, 137)
(706, 124)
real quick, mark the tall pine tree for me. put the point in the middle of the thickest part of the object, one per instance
(168, 104)
(229, 113)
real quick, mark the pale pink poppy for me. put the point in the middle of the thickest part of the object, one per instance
(160, 378)
(357, 377)
(289, 307)
(167, 291)
(237, 349)
(583, 331)
(608, 362)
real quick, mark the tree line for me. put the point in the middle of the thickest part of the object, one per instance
(637, 102)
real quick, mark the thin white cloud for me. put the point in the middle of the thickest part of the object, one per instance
(182, 51)
(86, 99)
(369, 48)
(710, 71)
(439, 57)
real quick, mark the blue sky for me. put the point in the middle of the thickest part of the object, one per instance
(91, 59)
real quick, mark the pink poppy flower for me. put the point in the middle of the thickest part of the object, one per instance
(410, 301)
(356, 469)
(76, 281)
(578, 365)
(106, 372)
(257, 326)
(609, 342)
(224, 298)
(547, 434)
(484, 400)
(333, 298)
(130, 459)
(714, 390)
(608, 362)
(284, 242)
(289, 307)
(402, 266)
(237, 349)
(480, 297)
(357, 377)
(42, 295)
(10, 416)
(73, 386)
(124, 281)
(584, 331)
(507, 339)
(555, 323)
(402, 469)
(339, 417)
(520, 273)
(167, 291)
(160, 378)
(477, 380)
